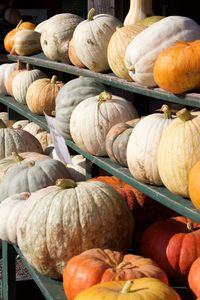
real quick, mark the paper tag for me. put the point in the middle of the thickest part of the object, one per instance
(58, 141)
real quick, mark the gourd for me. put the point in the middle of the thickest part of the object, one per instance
(117, 140)
(92, 119)
(174, 244)
(31, 176)
(20, 124)
(41, 95)
(193, 185)
(175, 156)
(142, 52)
(142, 148)
(10, 210)
(71, 94)
(73, 56)
(33, 128)
(65, 220)
(27, 42)
(175, 62)
(137, 289)
(5, 70)
(91, 38)
(98, 265)
(56, 34)
(194, 277)
(138, 10)
(19, 68)
(22, 81)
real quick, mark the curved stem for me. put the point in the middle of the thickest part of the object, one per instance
(127, 287)
(90, 15)
(20, 22)
(167, 113)
(54, 79)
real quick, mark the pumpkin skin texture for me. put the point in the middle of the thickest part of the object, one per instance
(91, 38)
(73, 56)
(27, 42)
(142, 52)
(172, 245)
(193, 185)
(41, 95)
(194, 277)
(175, 156)
(67, 222)
(71, 94)
(97, 265)
(92, 119)
(137, 289)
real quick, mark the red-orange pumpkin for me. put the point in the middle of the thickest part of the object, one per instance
(174, 244)
(97, 265)
(194, 277)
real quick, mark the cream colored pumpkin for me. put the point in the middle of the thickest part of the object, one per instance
(142, 148)
(91, 38)
(92, 119)
(138, 10)
(178, 151)
(142, 52)
(5, 70)
(56, 34)
(41, 26)
(44, 138)
(61, 222)
(27, 42)
(20, 124)
(33, 128)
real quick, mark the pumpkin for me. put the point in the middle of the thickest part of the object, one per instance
(72, 93)
(33, 128)
(142, 52)
(22, 81)
(91, 38)
(138, 10)
(44, 138)
(63, 220)
(142, 147)
(174, 244)
(20, 124)
(175, 156)
(16, 140)
(175, 71)
(193, 185)
(73, 56)
(27, 42)
(10, 210)
(117, 48)
(41, 95)
(194, 277)
(97, 265)
(31, 176)
(41, 26)
(19, 68)
(10, 36)
(92, 119)
(137, 289)
(56, 34)
(117, 140)
(5, 70)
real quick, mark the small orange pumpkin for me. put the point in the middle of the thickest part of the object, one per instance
(194, 277)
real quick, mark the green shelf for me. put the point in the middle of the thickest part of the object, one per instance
(161, 194)
(189, 99)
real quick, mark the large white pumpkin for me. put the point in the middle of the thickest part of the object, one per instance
(92, 119)
(142, 52)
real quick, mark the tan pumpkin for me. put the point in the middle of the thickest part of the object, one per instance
(19, 68)
(44, 138)
(27, 42)
(73, 56)
(41, 95)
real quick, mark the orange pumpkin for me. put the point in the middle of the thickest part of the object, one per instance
(194, 277)
(194, 185)
(10, 36)
(97, 265)
(177, 68)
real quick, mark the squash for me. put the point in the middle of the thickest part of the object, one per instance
(63, 220)
(5, 70)
(175, 156)
(33, 128)
(41, 26)
(41, 95)
(27, 42)
(137, 289)
(142, 147)
(56, 34)
(138, 10)
(91, 38)
(73, 56)
(98, 265)
(142, 52)
(194, 277)
(175, 71)
(193, 185)
(174, 244)
(71, 94)
(98, 114)
(20, 124)
(19, 68)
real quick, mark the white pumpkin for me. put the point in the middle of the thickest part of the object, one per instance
(142, 148)
(5, 70)
(142, 52)
(92, 119)
(33, 128)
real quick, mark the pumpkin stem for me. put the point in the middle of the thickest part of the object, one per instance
(66, 183)
(127, 287)
(2, 124)
(53, 113)
(54, 79)
(20, 22)
(104, 96)
(189, 226)
(17, 157)
(167, 113)
(184, 115)
(28, 67)
(26, 195)
(122, 265)
(90, 15)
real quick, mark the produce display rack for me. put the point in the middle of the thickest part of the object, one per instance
(161, 194)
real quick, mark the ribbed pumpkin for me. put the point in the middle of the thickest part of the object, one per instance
(91, 38)
(33, 128)
(176, 156)
(70, 95)
(62, 221)
(194, 277)
(73, 56)
(137, 289)
(138, 10)
(173, 244)
(175, 71)
(194, 185)
(92, 119)
(41, 95)
(5, 70)
(97, 265)
(19, 68)
(27, 42)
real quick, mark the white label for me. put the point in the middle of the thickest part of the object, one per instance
(58, 141)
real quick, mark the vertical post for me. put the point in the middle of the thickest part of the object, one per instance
(8, 272)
